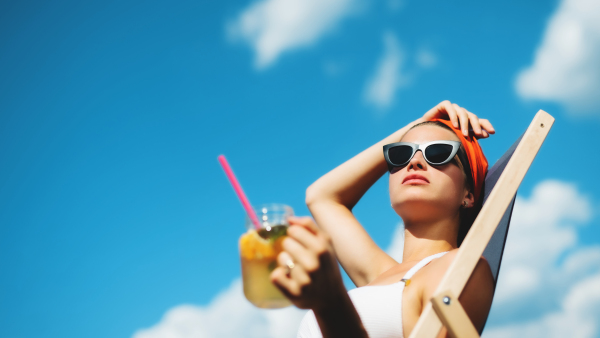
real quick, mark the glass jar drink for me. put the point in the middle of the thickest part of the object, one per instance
(259, 250)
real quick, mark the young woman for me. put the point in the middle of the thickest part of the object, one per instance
(435, 184)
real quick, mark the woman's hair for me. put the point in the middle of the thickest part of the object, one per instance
(467, 215)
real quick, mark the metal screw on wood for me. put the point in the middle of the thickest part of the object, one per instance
(446, 300)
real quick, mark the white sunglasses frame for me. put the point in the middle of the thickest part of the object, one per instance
(416, 147)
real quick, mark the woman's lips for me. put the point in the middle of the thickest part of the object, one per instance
(415, 179)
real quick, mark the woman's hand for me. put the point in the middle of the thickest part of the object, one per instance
(459, 116)
(308, 272)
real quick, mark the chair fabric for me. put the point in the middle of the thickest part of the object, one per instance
(495, 248)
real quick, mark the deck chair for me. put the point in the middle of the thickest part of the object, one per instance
(487, 235)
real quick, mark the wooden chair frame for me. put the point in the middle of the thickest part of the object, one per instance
(444, 308)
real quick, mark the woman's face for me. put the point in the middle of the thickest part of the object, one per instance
(420, 191)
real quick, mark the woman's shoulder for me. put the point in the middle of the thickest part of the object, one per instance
(433, 272)
(477, 294)
(443, 263)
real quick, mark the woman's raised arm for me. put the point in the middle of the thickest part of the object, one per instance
(331, 199)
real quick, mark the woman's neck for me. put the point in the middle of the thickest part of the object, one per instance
(423, 239)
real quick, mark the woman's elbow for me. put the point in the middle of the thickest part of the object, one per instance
(315, 194)
(312, 195)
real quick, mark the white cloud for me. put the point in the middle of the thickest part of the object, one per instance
(543, 228)
(545, 274)
(580, 262)
(228, 315)
(272, 27)
(577, 318)
(388, 77)
(566, 67)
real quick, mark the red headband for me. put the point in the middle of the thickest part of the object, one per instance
(477, 160)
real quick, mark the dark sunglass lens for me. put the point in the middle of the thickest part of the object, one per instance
(400, 154)
(438, 153)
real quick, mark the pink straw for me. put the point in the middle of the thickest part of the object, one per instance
(238, 190)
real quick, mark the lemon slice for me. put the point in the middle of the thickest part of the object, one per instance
(252, 246)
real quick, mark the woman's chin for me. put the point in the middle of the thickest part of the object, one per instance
(415, 208)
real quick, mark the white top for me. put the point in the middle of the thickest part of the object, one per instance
(379, 308)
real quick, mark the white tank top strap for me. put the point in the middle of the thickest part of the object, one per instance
(419, 265)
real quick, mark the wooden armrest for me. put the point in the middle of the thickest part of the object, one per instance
(453, 316)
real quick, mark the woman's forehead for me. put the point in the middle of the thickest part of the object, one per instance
(427, 133)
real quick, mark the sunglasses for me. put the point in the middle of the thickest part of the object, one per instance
(435, 153)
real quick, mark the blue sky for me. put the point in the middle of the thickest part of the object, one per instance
(112, 115)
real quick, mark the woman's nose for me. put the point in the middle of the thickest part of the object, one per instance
(417, 162)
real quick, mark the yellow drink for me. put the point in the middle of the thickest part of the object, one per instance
(258, 251)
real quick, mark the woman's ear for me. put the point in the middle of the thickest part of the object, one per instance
(468, 200)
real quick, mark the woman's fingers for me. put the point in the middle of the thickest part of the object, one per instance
(452, 113)
(463, 117)
(293, 268)
(290, 276)
(288, 286)
(485, 124)
(460, 118)
(306, 222)
(300, 255)
(316, 243)
(474, 120)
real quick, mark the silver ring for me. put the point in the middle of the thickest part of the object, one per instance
(290, 265)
